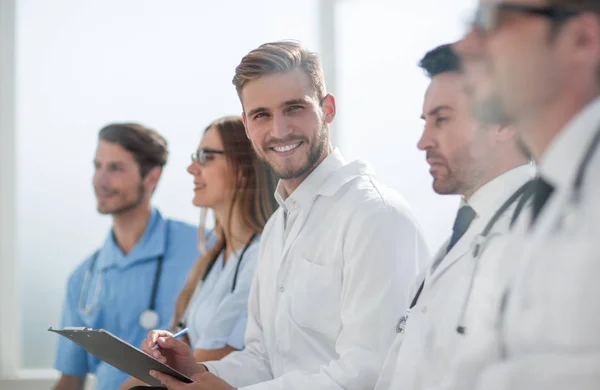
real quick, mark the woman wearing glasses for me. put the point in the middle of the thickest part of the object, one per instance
(234, 184)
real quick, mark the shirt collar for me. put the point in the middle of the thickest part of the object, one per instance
(308, 189)
(151, 245)
(560, 162)
(490, 197)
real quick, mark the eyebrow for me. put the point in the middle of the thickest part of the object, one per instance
(284, 104)
(437, 110)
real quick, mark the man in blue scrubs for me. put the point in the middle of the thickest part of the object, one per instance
(130, 284)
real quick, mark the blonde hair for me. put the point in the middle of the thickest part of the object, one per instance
(280, 57)
(253, 189)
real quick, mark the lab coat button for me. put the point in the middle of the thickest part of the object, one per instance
(281, 289)
(424, 309)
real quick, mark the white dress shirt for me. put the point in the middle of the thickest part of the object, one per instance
(422, 354)
(324, 298)
(546, 331)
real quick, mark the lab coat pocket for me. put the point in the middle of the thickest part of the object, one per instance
(316, 298)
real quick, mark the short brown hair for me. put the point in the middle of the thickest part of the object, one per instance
(280, 57)
(149, 148)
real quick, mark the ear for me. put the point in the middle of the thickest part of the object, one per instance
(329, 108)
(584, 40)
(502, 133)
(152, 178)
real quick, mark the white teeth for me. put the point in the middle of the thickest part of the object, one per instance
(287, 148)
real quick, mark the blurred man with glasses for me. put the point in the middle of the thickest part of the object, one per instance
(543, 57)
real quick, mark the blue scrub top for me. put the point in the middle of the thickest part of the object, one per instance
(125, 293)
(217, 316)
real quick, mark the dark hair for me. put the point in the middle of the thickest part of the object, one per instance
(440, 60)
(253, 193)
(149, 148)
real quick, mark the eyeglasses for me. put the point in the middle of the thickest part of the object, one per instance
(488, 17)
(201, 156)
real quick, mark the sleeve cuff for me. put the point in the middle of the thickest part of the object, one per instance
(210, 368)
(207, 344)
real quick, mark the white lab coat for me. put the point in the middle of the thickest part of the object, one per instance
(546, 334)
(422, 354)
(324, 300)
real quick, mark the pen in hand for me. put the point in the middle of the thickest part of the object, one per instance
(178, 334)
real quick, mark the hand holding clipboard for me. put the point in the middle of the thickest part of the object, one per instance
(125, 356)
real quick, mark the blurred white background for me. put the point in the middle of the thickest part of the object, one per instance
(79, 65)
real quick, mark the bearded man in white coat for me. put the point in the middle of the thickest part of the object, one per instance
(483, 161)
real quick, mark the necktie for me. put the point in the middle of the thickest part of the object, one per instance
(541, 193)
(465, 216)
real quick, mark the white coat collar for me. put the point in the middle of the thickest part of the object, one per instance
(560, 162)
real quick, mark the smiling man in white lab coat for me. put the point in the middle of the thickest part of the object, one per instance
(335, 260)
(545, 60)
(484, 163)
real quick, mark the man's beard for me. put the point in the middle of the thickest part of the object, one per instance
(317, 148)
(124, 208)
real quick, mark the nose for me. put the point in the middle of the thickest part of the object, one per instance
(470, 44)
(426, 141)
(194, 168)
(101, 178)
(281, 126)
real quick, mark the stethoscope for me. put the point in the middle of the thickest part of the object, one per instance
(181, 324)
(237, 266)
(481, 240)
(527, 191)
(479, 244)
(149, 319)
(574, 201)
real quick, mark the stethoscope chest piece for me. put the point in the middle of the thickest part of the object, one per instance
(401, 325)
(149, 319)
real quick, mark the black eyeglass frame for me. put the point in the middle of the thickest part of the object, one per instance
(487, 16)
(199, 155)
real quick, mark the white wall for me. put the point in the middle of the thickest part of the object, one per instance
(82, 64)
(9, 348)
(380, 94)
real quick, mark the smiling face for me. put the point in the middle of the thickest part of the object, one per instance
(455, 144)
(213, 182)
(286, 123)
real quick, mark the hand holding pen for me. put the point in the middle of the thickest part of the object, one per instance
(166, 348)
(178, 334)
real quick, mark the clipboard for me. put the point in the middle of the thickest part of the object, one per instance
(119, 354)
